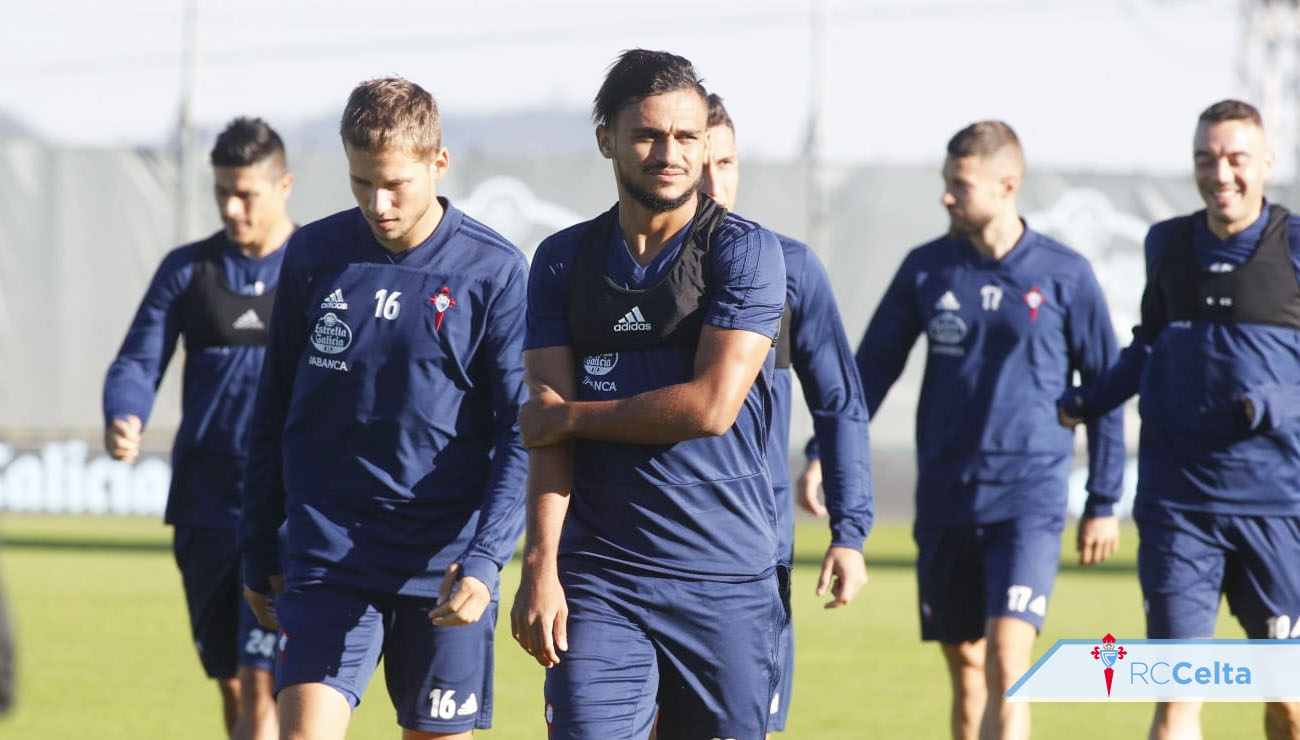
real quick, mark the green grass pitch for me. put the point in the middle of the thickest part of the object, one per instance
(105, 650)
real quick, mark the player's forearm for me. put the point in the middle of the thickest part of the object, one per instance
(662, 416)
(1106, 459)
(550, 483)
(501, 517)
(1110, 389)
(846, 471)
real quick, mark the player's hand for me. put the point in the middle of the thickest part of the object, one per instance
(1098, 538)
(460, 600)
(263, 605)
(844, 572)
(810, 484)
(1066, 420)
(122, 438)
(1248, 408)
(539, 619)
(541, 418)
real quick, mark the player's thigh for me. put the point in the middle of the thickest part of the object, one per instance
(717, 646)
(330, 634)
(439, 678)
(1180, 569)
(1262, 575)
(209, 564)
(1020, 559)
(604, 685)
(950, 583)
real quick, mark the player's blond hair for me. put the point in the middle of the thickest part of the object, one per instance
(392, 113)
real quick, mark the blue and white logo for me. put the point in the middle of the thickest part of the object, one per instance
(331, 335)
(599, 364)
(946, 328)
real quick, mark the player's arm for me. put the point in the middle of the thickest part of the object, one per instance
(1120, 381)
(539, 617)
(747, 297)
(133, 377)
(262, 509)
(881, 356)
(726, 363)
(823, 360)
(465, 592)
(1093, 350)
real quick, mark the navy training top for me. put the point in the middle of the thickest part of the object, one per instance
(1197, 452)
(386, 436)
(822, 358)
(1004, 340)
(218, 384)
(702, 508)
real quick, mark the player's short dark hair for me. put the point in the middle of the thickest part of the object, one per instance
(1231, 110)
(718, 115)
(636, 75)
(247, 141)
(983, 139)
(392, 113)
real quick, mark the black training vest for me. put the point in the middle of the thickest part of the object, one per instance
(1262, 290)
(215, 315)
(604, 317)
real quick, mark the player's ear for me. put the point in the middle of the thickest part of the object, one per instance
(1011, 185)
(605, 141)
(441, 161)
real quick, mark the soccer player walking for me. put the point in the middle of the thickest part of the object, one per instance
(386, 439)
(1217, 363)
(1009, 316)
(217, 295)
(812, 343)
(650, 570)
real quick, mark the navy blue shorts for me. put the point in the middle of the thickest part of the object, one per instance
(704, 652)
(1187, 559)
(439, 678)
(224, 629)
(969, 574)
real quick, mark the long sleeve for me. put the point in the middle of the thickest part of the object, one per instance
(823, 360)
(501, 513)
(1121, 381)
(263, 502)
(889, 337)
(133, 377)
(1093, 350)
(885, 345)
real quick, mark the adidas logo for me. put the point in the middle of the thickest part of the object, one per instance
(334, 300)
(249, 320)
(469, 707)
(947, 302)
(632, 321)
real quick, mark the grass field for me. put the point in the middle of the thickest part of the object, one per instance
(105, 650)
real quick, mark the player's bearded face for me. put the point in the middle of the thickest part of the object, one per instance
(658, 147)
(1232, 162)
(396, 193)
(972, 195)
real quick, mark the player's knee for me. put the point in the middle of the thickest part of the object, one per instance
(229, 688)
